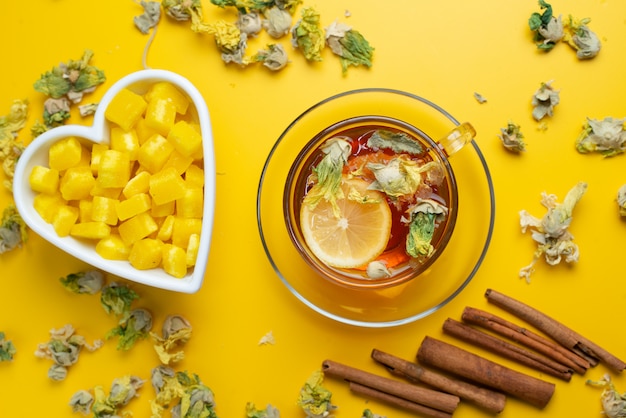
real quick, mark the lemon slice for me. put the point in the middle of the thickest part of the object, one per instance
(357, 236)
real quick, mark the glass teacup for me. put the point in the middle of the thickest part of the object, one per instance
(434, 193)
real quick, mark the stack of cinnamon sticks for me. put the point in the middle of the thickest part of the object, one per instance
(455, 374)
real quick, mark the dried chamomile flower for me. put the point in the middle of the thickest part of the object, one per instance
(13, 230)
(308, 36)
(621, 200)
(613, 403)
(10, 148)
(85, 282)
(186, 10)
(554, 241)
(150, 17)
(512, 138)
(369, 414)
(274, 57)
(480, 98)
(268, 412)
(424, 216)
(7, 349)
(176, 331)
(63, 349)
(231, 42)
(607, 137)
(548, 29)
(351, 47)
(81, 401)
(314, 398)
(277, 22)
(104, 405)
(544, 100)
(184, 393)
(250, 23)
(581, 38)
(116, 298)
(134, 327)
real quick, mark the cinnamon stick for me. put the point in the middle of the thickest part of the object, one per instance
(498, 346)
(489, 400)
(423, 396)
(526, 337)
(462, 363)
(397, 401)
(559, 332)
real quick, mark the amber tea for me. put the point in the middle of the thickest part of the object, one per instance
(371, 202)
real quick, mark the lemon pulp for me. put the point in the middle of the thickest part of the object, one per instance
(357, 236)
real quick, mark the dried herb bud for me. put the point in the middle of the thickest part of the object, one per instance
(176, 332)
(150, 17)
(308, 36)
(554, 241)
(268, 412)
(621, 200)
(7, 349)
(512, 138)
(274, 57)
(116, 298)
(249, 23)
(123, 390)
(174, 389)
(544, 100)
(88, 282)
(607, 137)
(581, 38)
(613, 403)
(81, 402)
(277, 22)
(351, 47)
(547, 28)
(377, 270)
(132, 329)
(314, 398)
(13, 230)
(480, 98)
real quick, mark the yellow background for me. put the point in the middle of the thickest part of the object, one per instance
(444, 51)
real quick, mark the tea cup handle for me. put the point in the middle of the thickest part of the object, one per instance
(457, 138)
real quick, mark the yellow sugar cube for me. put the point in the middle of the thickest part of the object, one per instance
(193, 247)
(183, 229)
(139, 183)
(194, 176)
(132, 206)
(160, 211)
(84, 210)
(166, 186)
(64, 219)
(96, 154)
(154, 153)
(65, 153)
(165, 90)
(165, 231)
(146, 254)
(144, 132)
(113, 248)
(136, 228)
(179, 162)
(125, 141)
(191, 204)
(125, 109)
(77, 183)
(114, 169)
(104, 210)
(110, 192)
(160, 115)
(186, 139)
(90, 230)
(44, 180)
(47, 205)
(174, 260)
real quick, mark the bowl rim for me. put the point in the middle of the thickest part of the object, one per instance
(97, 132)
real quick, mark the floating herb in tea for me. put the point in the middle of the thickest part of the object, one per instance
(554, 241)
(607, 137)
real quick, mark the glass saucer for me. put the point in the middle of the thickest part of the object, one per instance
(435, 287)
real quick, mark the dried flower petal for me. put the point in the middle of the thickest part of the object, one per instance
(480, 98)
(607, 136)
(547, 28)
(308, 36)
(13, 230)
(351, 47)
(185, 393)
(249, 23)
(581, 38)
(267, 339)
(89, 282)
(512, 138)
(81, 401)
(613, 403)
(268, 412)
(314, 398)
(176, 332)
(116, 298)
(150, 17)
(274, 57)
(377, 270)
(133, 328)
(554, 241)
(621, 200)
(544, 100)
(277, 22)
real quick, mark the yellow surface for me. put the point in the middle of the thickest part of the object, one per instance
(444, 51)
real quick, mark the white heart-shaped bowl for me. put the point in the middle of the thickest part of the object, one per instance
(36, 153)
